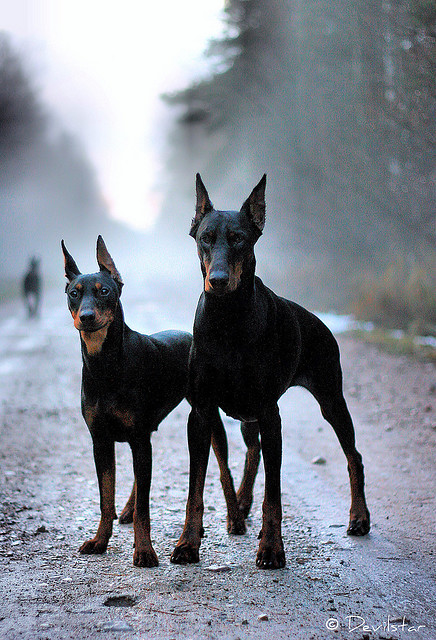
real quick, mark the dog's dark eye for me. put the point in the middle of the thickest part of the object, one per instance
(207, 238)
(235, 238)
(73, 293)
(104, 291)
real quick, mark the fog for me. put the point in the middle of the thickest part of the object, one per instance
(335, 102)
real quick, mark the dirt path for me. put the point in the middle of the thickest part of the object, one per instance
(332, 587)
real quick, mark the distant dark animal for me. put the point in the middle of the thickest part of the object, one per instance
(32, 288)
(249, 347)
(130, 383)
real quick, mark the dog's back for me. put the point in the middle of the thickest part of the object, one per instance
(155, 372)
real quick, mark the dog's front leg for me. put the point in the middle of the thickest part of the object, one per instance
(199, 440)
(271, 553)
(104, 457)
(144, 554)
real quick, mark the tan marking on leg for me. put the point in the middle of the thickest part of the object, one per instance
(99, 543)
(126, 516)
(235, 518)
(245, 491)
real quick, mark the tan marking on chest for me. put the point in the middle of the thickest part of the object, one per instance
(94, 341)
(90, 413)
(125, 416)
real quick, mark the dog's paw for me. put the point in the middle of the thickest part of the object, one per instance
(146, 558)
(270, 558)
(185, 553)
(236, 527)
(93, 546)
(359, 526)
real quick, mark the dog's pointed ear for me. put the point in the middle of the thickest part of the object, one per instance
(254, 206)
(71, 269)
(106, 263)
(202, 206)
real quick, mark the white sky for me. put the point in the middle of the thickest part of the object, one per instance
(101, 65)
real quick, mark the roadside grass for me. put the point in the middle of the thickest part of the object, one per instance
(401, 303)
(397, 343)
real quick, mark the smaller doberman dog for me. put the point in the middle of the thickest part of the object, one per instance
(130, 383)
(32, 288)
(249, 347)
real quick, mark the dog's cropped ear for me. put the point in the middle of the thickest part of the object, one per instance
(106, 263)
(254, 206)
(71, 269)
(203, 205)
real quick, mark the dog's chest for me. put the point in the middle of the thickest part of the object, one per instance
(237, 382)
(111, 414)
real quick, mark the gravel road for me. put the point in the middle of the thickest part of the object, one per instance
(382, 586)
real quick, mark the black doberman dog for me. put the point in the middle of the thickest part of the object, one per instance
(249, 347)
(130, 383)
(32, 288)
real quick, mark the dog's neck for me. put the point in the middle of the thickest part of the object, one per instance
(241, 310)
(101, 350)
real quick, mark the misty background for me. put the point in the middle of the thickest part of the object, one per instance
(336, 102)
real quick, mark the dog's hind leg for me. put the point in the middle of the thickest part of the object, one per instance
(250, 433)
(335, 411)
(126, 515)
(235, 517)
(323, 378)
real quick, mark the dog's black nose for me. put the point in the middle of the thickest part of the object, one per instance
(219, 281)
(87, 316)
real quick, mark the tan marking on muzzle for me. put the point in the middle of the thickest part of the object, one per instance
(75, 316)
(101, 319)
(235, 276)
(235, 273)
(207, 286)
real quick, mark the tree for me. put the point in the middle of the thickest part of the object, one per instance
(336, 101)
(48, 187)
(22, 120)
